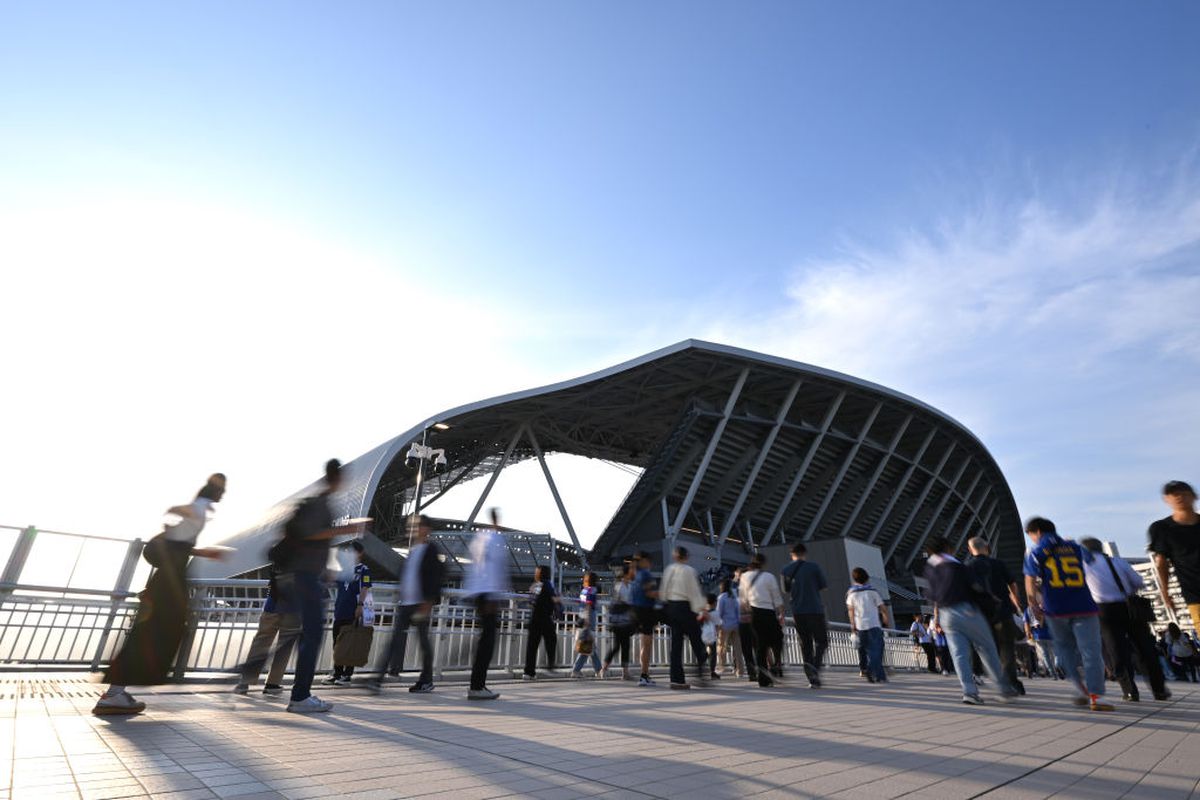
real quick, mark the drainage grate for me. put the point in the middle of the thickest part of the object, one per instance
(44, 688)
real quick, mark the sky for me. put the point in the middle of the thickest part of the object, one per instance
(248, 237)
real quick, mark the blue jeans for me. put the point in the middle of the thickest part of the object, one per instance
(1078, 639)
(966, 627)
(871, 641)
(308, 598)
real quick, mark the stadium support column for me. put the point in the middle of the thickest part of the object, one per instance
(780, 417)
(562, 510)
(934, 477)
(492, 480)
(815, 445)
(841, 475)
(901, 486)
(698, 478)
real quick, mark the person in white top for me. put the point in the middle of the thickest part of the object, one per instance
(759, 593)
(487, 578)
(1112, 582)
(868, 614)
(686, 608)
(149, 650)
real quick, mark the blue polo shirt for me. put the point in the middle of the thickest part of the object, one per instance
(349, 590)
(638, 596)
(1058, 563)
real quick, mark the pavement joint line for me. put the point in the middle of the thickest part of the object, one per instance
(1054, 761)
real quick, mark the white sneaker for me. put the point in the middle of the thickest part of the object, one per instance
(309, 705)
(482, 694)
(119, 703)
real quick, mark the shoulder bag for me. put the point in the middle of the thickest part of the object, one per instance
(1140, 609)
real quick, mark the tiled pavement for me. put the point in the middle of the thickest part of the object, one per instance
(561, 739)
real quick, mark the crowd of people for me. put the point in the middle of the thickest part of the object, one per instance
(1083, 619)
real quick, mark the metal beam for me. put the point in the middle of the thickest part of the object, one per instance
(492, 480)
(987, 490)
(912, 514)
(937, 511)
(731, 520)
(900, 487)
(963, 504)
(562, 510)
(808, 457)
(698, 478)
(879, 468)
(841, 476)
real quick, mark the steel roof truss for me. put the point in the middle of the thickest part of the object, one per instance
(912, 514)
(837, 481)
(900, 488)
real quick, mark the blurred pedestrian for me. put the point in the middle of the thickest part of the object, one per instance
(686, 608)
(486, 580)
(1175, 542)
(621, 623)
(420, 590)
(923, 639)
(759, 592)
(992, 577)
(645, 608)
(585, 636)
(728, 640)
(274, 622)
(546, 608)
(148, 652)
(868, 615)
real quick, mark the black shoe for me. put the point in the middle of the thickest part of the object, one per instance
(1130, 698)
(421, 687)
(1020, 687)
(765, 683)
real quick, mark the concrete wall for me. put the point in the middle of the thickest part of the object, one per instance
(836, 557)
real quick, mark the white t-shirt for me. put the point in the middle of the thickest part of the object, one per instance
(864, 604)
(188, 528)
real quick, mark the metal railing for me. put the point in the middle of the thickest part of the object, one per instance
(50, 627)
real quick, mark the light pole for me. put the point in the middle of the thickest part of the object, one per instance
(422, 453)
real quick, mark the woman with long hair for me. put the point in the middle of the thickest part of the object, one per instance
(149, 650)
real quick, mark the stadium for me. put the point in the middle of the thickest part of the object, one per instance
(738, 452)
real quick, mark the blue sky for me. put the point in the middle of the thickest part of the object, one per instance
(251, 235)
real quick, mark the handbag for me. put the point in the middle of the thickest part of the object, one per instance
(1140, 609)
(353, 646)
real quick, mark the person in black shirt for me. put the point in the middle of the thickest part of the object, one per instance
(993, 577)
(546, 603)
(1175, 541)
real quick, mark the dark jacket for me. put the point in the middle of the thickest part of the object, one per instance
(949, 582)
(432, 572)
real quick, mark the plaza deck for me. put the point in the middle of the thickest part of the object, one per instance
(567, 739)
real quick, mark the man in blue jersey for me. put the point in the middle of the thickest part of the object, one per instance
(644, 599)
(1066, 604)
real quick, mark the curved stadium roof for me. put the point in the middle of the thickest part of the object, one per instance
(738, 445)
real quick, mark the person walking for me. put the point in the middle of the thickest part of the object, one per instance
(585, 637)
(965, 625)
(1112, 582)
(1175, 542)
(148, 652)
(759, 594)
(272, 622)
(941, 643)
(1043, 643)
(546, 607)
(805, 581)
(868, 615)
(1181, 653)
(1066, 605)
(302, 556)
(486, 579)
(621, 623)
(686, 609)
(348, 609)
(420, 589)
(923, 639)
(745, 628)
(644, 596)
(728, 640)
(992, 576)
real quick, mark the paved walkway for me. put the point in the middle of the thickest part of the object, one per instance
(562, 739)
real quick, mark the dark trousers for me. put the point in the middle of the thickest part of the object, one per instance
(768, 637)
(930, 655)
(341, 670)
(622, 636)
(872, 645)
(487, 612)
(306, 596)
(541, 632)
(683, 623)
(814, 641)
(393, 658)
(943, 654)
(1123, 638)
(746, 634)
(1004, 633)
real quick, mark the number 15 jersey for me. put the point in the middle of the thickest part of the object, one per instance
(1059, 565)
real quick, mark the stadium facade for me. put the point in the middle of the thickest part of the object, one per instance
(738, 451)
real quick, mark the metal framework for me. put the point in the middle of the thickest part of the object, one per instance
(736, 449)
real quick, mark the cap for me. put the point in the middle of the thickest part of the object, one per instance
(1178, 487)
